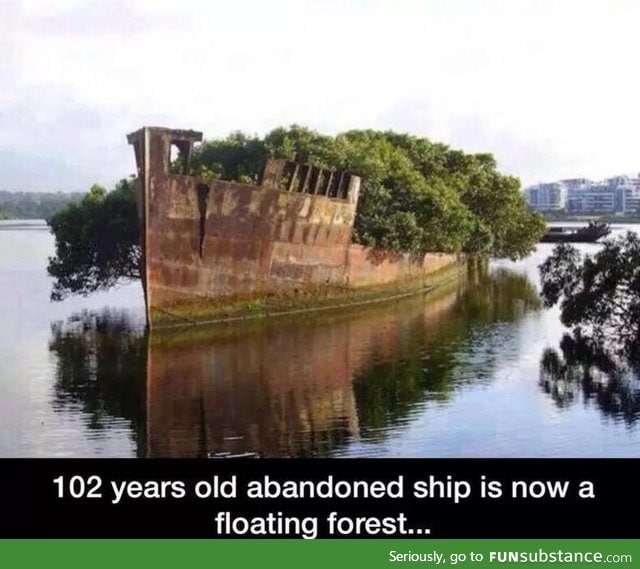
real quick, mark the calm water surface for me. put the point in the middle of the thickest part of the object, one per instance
(455, 374)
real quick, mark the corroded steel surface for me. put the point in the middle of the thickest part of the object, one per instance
(211, 246)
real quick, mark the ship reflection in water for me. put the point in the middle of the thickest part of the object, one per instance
(310, 386)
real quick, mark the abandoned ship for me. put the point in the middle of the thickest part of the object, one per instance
(215, 250)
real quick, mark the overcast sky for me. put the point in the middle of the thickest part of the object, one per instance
(550, 87)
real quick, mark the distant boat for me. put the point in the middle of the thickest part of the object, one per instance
(586, 234)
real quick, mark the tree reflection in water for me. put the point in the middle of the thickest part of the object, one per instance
(582, 371)
(463, 345)
(100, 369)
(288, 387)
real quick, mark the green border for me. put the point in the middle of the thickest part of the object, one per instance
(308, 554)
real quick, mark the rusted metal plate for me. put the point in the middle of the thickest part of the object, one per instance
(223, 241)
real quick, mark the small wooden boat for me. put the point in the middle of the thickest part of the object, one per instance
(586, 234)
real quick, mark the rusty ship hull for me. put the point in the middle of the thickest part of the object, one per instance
(215, 250)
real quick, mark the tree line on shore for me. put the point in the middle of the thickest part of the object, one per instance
(34, 205)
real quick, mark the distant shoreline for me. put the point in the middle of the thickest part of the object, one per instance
(586, 218)
(11, 224)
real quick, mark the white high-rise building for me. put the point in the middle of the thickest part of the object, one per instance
(619, 195)
(546, 197)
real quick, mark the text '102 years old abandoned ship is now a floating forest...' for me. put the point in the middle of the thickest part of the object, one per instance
(283, 241)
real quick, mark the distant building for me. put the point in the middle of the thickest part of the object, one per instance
(629, 197)
(546, 197)
(575, 187)
(597, 198)
(619, 195)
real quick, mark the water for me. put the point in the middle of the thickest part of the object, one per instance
(455, 374)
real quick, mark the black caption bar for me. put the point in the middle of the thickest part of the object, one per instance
(318, 498)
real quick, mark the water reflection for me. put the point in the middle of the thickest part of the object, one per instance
(460, 344)
(100, 369)
(580, 372)
(302, 387)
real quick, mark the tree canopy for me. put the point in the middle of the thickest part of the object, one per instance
(97, 242)
(416, 196)
(599, 295)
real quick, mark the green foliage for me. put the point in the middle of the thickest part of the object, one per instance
(34, 205)
(599, 294)
(417, 195)
(97, 241)
(583, 372)
(237, 157)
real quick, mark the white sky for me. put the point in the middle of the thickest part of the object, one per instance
(550, 86)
